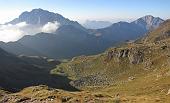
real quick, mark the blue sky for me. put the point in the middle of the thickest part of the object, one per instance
(81, 10)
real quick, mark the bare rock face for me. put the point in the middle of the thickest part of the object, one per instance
(168, 92)
(149, 22)
(134, 55)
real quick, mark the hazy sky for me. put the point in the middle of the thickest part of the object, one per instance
(81, 10)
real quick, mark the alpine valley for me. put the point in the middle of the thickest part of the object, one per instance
(125, 62)
(71, 39)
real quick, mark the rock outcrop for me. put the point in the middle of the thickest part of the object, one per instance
(43, 94)
(134, 55)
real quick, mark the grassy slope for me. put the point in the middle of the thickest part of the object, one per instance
(141, 76)
(145, 82)
(43, 94)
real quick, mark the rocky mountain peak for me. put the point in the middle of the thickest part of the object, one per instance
(39, 10)
(42, 17)
(149, 22)
(38, 16)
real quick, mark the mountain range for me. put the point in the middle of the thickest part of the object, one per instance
(131, 72)
(71, 39)
(137, 70)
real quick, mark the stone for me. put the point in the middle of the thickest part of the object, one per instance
(136, 57)
(164, 47)
(131, 78)
(23, 99)
(168, 92)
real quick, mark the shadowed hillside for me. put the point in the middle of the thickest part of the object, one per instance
(20, 72)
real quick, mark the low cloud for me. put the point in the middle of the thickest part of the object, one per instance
(50, 27)
(11, 32)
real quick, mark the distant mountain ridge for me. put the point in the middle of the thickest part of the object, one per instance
(148, 22)
(42, 17)
(71, 39)
(123, 31)
(67, 42)
(96, 24)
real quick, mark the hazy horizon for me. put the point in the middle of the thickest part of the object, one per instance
(81, 11)
(76, 10)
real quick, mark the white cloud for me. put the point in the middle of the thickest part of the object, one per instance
(11, 32)
(22, 24)
(50, 27)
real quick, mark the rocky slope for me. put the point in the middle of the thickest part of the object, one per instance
(133, 72)
(139, 69)
(128, 56)
(44, 94)
(159, 35)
